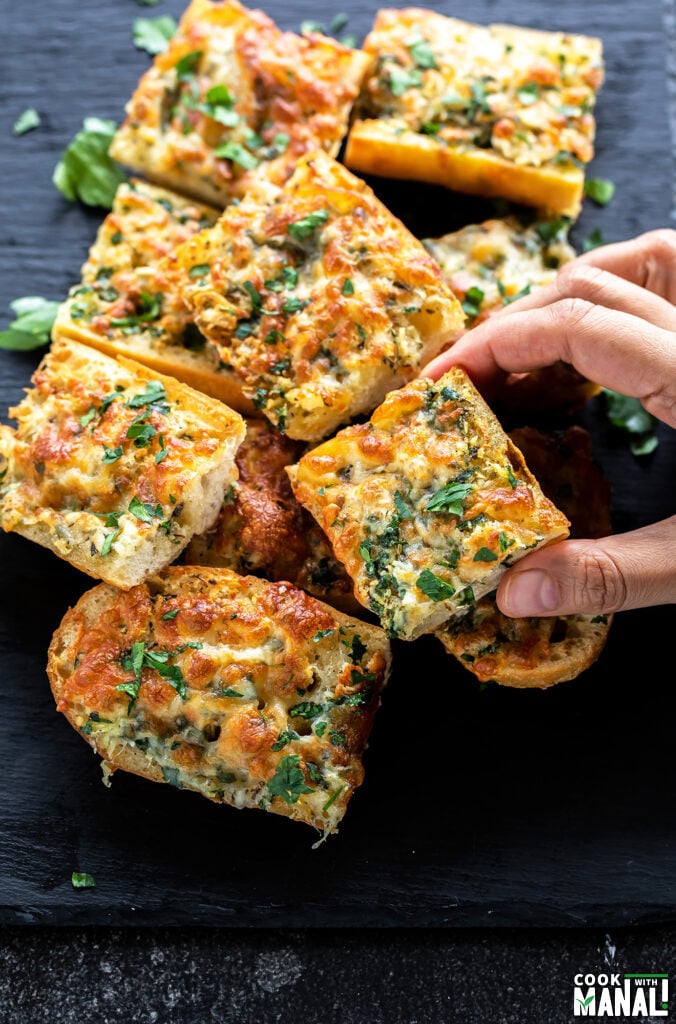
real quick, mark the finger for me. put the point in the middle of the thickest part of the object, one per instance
(648, 261)
(579, 280)
(618, 350)
(594, 577)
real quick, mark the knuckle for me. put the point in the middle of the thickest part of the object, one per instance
(570, 312)
(600, 584)
(581, 279)
(661, 244)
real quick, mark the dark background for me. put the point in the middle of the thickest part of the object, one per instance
(480, 809)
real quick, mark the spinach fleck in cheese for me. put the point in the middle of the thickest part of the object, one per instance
(319, 298)
(128, 301)
(495, 110)
(231, 93)
(251, 693)
(112, 467)
(426, 504)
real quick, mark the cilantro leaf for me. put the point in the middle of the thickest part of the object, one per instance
(26, 121)
(434, 587)
(153, 34)
(32, 324)
(599, 190)
(288, 782)
(85, 170)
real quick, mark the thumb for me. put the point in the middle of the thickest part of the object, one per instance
(593, 577)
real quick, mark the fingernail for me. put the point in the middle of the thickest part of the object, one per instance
(531, 592)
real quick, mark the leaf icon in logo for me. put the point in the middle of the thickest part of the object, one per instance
(585, 1002)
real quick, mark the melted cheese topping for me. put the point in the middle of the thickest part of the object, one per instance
(527, 96)
(426, 504)
(264, 697)
(103, 451)
(233, 92)
(319, 298)
(263, 530)
(498, 261)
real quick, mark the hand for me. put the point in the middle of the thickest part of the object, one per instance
(610, 314)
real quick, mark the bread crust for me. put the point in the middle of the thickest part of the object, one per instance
(426, 504)
(113, 467)
(268, 691)
(478, 109)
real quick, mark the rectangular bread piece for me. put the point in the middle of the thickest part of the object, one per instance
(492, 110)
(426, 504)
(318, 296)
(231, 93)
(113, 467)
(251, 693)
(262, 529)
(128, 302)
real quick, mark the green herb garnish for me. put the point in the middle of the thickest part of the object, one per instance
(288, 782)
(449, 499)
(32, 324)
(629, 415)
(85, 170)
(434, 587)
(599, 190)
(153, 34)
(237, 154)
(485, 555)
(82, 880)
(26, 121)
(306, 226)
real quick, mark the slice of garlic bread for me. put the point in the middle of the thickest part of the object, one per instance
(318, 296)
(231, 93)
(427, 504)
(251, 693)
(128, 301)
(263, 530)
(492, 110)
(113, 467)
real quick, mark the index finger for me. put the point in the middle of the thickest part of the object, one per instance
(648, 261)
(617, 350)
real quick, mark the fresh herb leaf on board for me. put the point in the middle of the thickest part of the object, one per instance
(85, 170)
(32, 324)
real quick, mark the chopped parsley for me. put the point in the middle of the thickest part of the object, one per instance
(139, 658)
(26, 121)
(306, 709)
(449, 499)
(306, 226)
(82, 880)
(321, 634)
(32, 324)
(237, 154)
(332, 799)
(599, 190)
(230, 692)
(402, 509)
(288, 782)
(629, 415)
(513, 482)
(284, 738)
(170, 615)
(112, 454)
(421, 53)
(144, 511)
(187, 66)
(85, 170)
(434, 587)
(472, 302)
(154, 395)
(153, 34)
(485, 555)
(348, 287)
(401, 79)
(148, 308)
(505, 541)
(199, 270)
(87, 418)
(528, 93)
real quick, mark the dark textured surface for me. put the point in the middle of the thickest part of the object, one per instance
(480, 809)
(369, 977)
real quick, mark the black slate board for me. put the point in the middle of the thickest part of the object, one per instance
(479, 809)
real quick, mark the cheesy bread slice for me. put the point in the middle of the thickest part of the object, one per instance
(491, 110)
(128, 301)
(251, 693)
(263, 530)
(318, 296)
(426, 504)
(540, 652)
(113, 467)
(231, 93)
(492, 264)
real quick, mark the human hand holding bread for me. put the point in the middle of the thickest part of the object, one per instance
(610, 314)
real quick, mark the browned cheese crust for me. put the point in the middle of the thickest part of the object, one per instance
(251, 693)
(232, 93)
(263, 530)
(319, 298)
(114, 467)
(426, 504)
